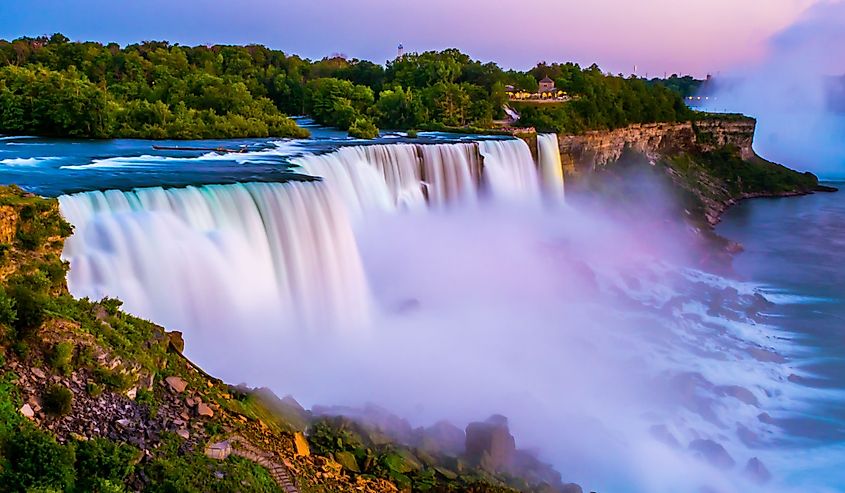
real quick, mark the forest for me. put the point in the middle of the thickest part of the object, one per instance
(50, 86)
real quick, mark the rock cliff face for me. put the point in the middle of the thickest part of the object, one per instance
(710, 162)
(597, 149)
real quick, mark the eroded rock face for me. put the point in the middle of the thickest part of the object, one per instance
(593, 150)
(490, 443)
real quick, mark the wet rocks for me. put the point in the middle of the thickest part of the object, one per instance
(713, 453)
(756, 471)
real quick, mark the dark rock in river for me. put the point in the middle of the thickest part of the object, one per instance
(756, 471)
(713, 452)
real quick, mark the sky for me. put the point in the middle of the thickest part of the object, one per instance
(655, 36)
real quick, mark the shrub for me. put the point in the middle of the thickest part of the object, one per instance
(113, 379)
(412, 134)
(61, 356)
(93, 389)
(58, 400)
(362, 128)
(29, 307)
(100, 460)
(33, 459)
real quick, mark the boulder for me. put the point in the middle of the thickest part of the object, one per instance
(756, 471)
(301, 445)
(490, 443)
(347, 460)
(204, 410)
(27, 411)
(39, 373)
(219, 450)
(712, 452)
(176, 384)
(177, 342)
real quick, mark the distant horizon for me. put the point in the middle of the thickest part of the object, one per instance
(657, 37)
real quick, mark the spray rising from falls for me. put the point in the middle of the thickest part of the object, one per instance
(329, 291)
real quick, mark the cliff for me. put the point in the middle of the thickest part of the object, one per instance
(710, 161)
(593, 150)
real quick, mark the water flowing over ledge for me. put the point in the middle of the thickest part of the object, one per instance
(346, 289)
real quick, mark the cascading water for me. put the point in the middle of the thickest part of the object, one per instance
(551, 167)
(509, 170)
(483, 309)
(288, 246)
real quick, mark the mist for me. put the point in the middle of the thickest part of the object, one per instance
(790, 93)
(613, 358)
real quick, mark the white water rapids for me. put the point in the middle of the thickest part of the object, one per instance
(438, 281)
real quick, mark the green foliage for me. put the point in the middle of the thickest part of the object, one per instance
(61, 356)
(102, 465)
(156, 90)
(38, 222)
(10, 418)
(29, 307)
(753, 176)
(337, 103)
(58, 400)
(175, 472)
(55, 88)
(114, 380)
(602, 102)
(33, 459)
(363, 128)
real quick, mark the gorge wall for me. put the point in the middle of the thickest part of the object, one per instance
(710, 162)
(596, 149)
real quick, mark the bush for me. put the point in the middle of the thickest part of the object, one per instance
(33, 459)
(29, 307)
(363, 128)
(58, 400)
(100, 460)
(412, 134)
(113, 379)
(61, 356)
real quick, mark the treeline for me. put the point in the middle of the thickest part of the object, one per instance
(54, 87)
(600, 101)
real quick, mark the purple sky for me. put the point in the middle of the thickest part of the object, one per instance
(684, 36)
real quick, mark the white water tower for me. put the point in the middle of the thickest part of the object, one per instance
(400, 51)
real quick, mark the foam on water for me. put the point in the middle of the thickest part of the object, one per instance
(429, 279)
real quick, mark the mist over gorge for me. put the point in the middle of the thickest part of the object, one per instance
(593, 331)
(233, 268)
(795, 92)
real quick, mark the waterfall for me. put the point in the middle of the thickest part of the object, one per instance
(413, 176)
(551, 167)
(398, 176)
(290, 246)
(509, 170)
(188, 257)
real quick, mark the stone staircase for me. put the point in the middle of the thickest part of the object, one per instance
(244, 448)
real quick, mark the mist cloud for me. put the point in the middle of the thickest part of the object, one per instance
(789, 93)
